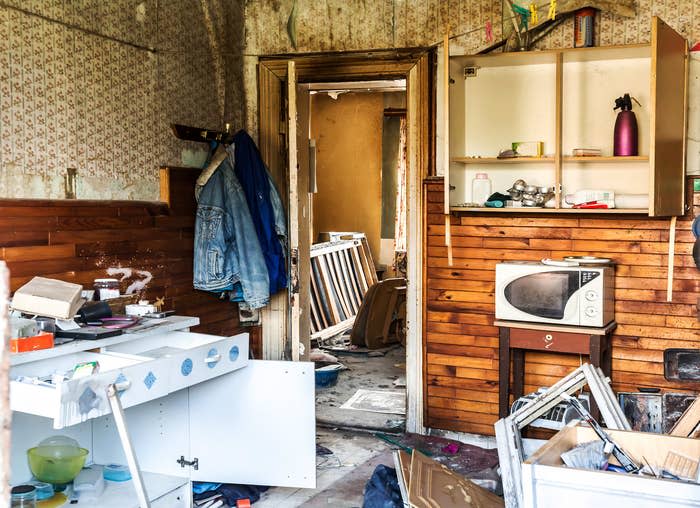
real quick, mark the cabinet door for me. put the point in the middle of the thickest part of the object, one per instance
(668, 122)
(256, 426)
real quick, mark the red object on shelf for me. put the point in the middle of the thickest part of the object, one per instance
(243, 503)
(23, 344)
(591, 204)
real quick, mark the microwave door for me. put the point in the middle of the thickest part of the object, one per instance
(549, 297)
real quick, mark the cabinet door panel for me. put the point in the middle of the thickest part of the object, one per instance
(256, 426)
(158, 431)
(668, 91)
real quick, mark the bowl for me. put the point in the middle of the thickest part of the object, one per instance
(56, 460)
(327, 376)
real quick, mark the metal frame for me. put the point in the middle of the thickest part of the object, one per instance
(132, 461)
(508, 438)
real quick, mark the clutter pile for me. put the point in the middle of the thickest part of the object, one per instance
(581, 456)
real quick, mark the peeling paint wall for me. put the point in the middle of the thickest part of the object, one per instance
(338, 25)
(80, 89)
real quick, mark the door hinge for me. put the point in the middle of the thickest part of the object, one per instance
(194, 463)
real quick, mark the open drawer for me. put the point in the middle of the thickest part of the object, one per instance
(195, 357)
(72, 401)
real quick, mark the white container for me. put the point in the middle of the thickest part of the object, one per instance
(481, 188)
(546, 481)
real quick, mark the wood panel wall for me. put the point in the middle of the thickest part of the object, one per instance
(461, 343)
(77, 241)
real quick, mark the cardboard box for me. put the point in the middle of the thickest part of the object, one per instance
(547, 482)
(48, 297)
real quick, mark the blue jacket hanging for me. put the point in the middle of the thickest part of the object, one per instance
(227, 254)
(265, 207)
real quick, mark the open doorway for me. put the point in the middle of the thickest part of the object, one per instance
(280, 81)
(358, 182)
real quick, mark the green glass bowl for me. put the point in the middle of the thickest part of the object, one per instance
(56, 464)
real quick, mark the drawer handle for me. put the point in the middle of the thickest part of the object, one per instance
(213, 359)
(122, 386)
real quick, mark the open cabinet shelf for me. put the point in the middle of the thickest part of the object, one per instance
(564, 99)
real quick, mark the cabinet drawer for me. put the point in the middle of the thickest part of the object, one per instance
(76, 400)
(179, 498)
(194, 357)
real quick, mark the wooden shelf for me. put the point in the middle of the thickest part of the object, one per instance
(595, 159)
(496, 160)
(533, 209)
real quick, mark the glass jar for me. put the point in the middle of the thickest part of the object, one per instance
(23, 496)
(106, 289)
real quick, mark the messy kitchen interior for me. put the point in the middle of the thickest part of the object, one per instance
(379, 254)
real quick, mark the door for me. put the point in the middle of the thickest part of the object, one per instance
(298, 99)
(669, 77)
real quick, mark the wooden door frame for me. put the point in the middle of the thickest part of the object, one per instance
(416, 66)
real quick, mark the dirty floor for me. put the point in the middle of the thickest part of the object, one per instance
(364, 372)
(340, 476)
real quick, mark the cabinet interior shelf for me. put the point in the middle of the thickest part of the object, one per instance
(462, 209)
(496, 160)
(585, 159)
(535, 160)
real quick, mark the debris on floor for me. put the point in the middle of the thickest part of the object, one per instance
(508, 437)
(377, 401)
(580, 457)
(425, 483)
(478, 464)
(382, 489)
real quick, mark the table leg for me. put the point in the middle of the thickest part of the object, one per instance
(597, 360)
(518, 372)
(503, 371)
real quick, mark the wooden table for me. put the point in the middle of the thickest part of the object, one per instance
(517, 337)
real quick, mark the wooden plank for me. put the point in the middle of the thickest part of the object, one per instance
(329, 289)
(342, 283)
(352, 276)
(359, 269)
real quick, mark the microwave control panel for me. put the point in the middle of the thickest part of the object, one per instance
(588, 276)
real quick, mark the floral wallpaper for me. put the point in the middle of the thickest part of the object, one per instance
(94, 85)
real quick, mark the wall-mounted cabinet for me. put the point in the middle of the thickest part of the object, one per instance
(565, 98)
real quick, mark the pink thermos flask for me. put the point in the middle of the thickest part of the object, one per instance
(626, 139)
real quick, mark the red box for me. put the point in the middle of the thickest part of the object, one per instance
(43, 340)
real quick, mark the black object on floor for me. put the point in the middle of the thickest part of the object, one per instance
(233, 492)
(382, 489)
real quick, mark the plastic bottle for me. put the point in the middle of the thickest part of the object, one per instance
(481, 188)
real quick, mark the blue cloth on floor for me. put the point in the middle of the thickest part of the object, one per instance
(200, 487)
(382, 489)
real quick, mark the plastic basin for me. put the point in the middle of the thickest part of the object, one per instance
(56, 464)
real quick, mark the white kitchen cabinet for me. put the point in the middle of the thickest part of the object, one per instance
(189, 399)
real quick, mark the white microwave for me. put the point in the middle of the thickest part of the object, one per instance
(564, 295)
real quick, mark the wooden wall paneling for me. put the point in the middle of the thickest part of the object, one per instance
(78, 241)
(461, 343)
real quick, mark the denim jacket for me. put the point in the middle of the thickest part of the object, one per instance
(227, 253)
